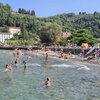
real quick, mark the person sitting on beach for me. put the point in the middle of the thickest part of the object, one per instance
(61, 54)
(48, 82)
(66, 56)
(70, 55)
(25, 67)
(92, 57)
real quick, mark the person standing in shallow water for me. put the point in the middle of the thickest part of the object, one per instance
(25, 67)
(46, 57)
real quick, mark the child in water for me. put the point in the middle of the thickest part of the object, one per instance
(48, 82)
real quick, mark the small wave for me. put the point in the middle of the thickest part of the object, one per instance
(34, 64)
(83, 68)
(29, 56)
(59, 58)
(29, 64)
(62, 65)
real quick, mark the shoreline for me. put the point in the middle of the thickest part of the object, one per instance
(83, 60)
(57, 55)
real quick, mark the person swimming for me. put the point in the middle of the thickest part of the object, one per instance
(16, 62)
(8, 68)
(25, 67)
(48, 82)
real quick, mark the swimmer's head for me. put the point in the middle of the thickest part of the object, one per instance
(6, 65)
(48, 79)
(24, 62)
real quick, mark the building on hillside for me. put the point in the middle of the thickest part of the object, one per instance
(14, 30)
(66, 34)
(4, 36)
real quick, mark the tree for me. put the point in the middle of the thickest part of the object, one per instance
(28, 12)
(33, 12)
(79, 38)
(19, 10)
(51, 34)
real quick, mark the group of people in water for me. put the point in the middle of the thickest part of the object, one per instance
(16, 54)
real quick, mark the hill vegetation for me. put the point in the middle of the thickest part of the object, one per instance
(84, 27)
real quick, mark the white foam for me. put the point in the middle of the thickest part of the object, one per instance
(58, 58)
(29, 56)
(34, 64)
(62, 65)
(83, 68)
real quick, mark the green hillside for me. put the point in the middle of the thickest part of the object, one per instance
(48, 29)
(72, 22)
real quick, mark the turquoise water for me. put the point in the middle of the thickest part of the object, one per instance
(70, 80)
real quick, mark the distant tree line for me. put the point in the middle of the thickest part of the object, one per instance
(72, 22)
(23, 11)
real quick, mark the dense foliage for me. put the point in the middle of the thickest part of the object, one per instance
(71, 22)
(11, 18)
(84, 27)
(82, 36)
(23, 11)
(51, 34)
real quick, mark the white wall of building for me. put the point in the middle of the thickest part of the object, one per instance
(4, 36)
(14, 30)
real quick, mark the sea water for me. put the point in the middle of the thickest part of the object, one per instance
(70, 80)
